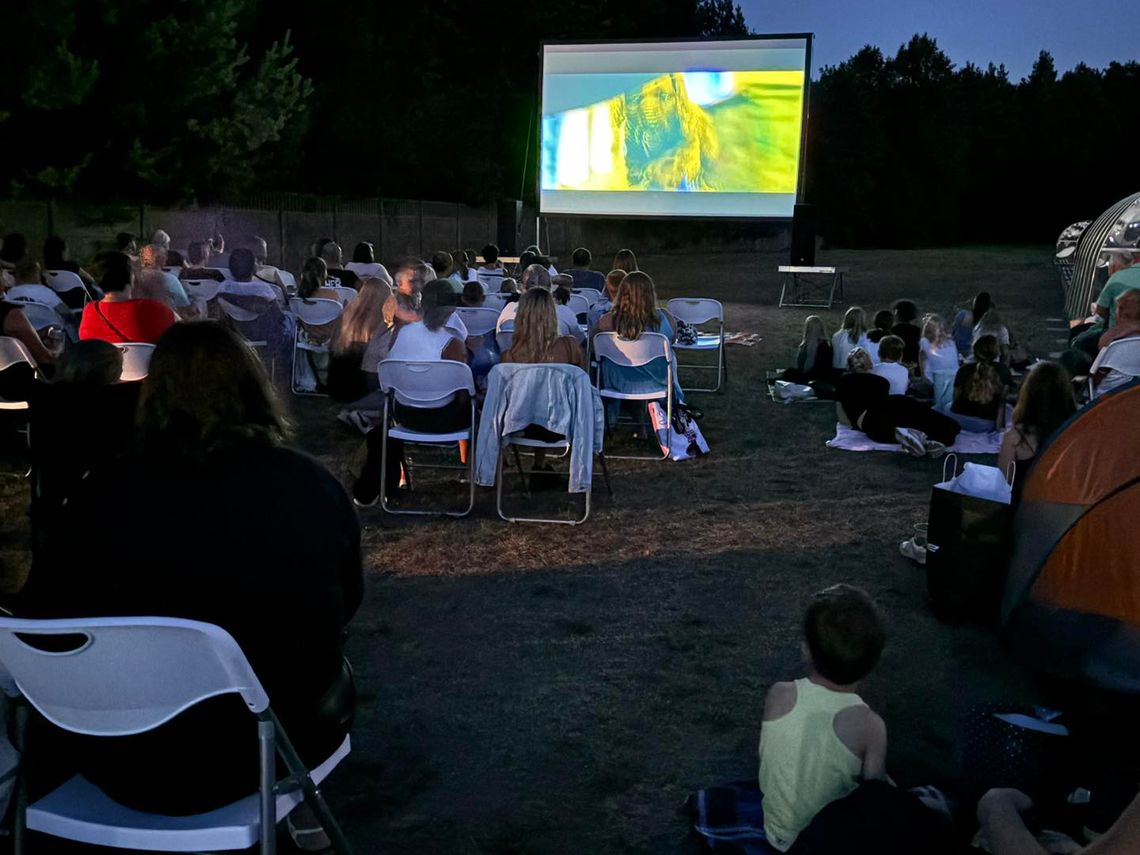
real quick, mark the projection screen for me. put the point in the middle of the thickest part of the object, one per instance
(674, 129)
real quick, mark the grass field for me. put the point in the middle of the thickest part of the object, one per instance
(548, 689)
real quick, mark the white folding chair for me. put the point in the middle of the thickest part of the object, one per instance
(13, 352)
(491, 280)
(316, 312)
(108, 677)
(580, 306)
(243, 314)
(39, 315)
(592, 295)
(288, 280)
(1121, 356)
(427, 384)
(495, 301)
(64, 282)
(202, 289)
(698, 311)
(632, 354)
(345, 294)
(478, 320)
(504, 338)
(136, 360)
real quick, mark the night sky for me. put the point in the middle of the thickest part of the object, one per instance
(980, 31)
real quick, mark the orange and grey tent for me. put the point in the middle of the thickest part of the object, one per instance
(1072, 600)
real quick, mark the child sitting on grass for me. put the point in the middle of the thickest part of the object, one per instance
(819, 740)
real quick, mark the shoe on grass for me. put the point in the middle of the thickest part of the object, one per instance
(908, 549)
(913, 441)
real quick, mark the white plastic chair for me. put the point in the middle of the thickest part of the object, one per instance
(697, 311)
(202, 289)
(505, 337)
(426, 384)
(495, 301)
(592, 295)
(631, 354)
(315, 312)
(136, 360)
(122, 676)
(288, 280)
(345, 294)
(64, 282)
(491, 280)
(13, 352)
(479, 320)
(39, 315)
(579, 305)
(1121, 356)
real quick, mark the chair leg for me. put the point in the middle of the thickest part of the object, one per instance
(522, 475)
(20, 815)
(267, 754)
(605, 473)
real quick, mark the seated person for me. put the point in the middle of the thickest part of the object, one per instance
(361, 324)
(510, 288)
(991, 324)
(865, 401)
(819, 740)
(884, 320)
(890, 352)
(462, 272)
(491, 271)
(609, 293)
(338, 275)
(153, 257)
(980, 390)
(853, 334)
(625, 261)
(813, 357)
(1127, 319)
(55, 258)
(364, 263)
(936, 349)
(241, 281)
(581, 273)
(962, 329)
(1005, 833)
(473, 295)
(119, 316)
(198, 256)
(562, 283)
(26, 275)
(18, 381)
(13, 249)
(1045, 402)
(906, 327)
(443, 265)
(216, 489)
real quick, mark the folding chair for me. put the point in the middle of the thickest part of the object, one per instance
(491, 280)
(136, 360)
(316, 312)
(632, 354)
(249, 311)
(128, 675)
(345, 294)
(504, 338)
(288, 280)
(698, 311)
(203, 289)
(514, 441)
(580, 306)
(64, 282)
(1122, 356)
(592, 295)
(39, 315)
(426, 384)
(495, 301)
(13, 352)
(478, 320)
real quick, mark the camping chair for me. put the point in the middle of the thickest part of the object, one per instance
(316, 312)
(504, 338)
(1121, 356)
(136, 360)
(424, 385)
(64, 282)
(592, 295)
(697, 311)
(516, 440)
(632, 354)
(128, 675)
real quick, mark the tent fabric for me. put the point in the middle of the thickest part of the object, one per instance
(1072, 598)
(1092, 241)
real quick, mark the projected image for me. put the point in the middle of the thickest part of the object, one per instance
(693, 131)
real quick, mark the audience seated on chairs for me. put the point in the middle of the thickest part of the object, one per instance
(364, 263)
(884, 320)
(473, 295)
(263, 271)
(443, 266)
(1045, 402)
(153, 257)
(852, 335)
(338, 274)
(314, 281)
(150, 284)
(352, 374)
(26, 275)
(1127, 319)
(198, 256)
(401, 305)
(214, 496)
(980, 389)
(936, 349)
(866, 402)
(119, 316)
(906, 327)
(1123, 276)
(537, 276)
(18, 381)
(241, 281)
(461, 272)
(609, 293)
(55, 258)
(625, 261)
(429, 339)
(13, 248)
(491, 258)
(819, 740)
(891, 349)
(581, 273)
(561, 285)
(510, 287)
(127, 243)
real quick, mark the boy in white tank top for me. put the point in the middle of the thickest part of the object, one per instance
(818, 739)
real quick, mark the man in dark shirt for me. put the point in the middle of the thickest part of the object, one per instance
(580, 271)
(907, 328)
(338, 276)
(198, 254)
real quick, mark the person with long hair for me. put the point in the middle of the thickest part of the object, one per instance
(314, 276)
(883, 321)
(962, 328)
(537, 337)
(991, 324)
(120, 316)
(851, 335)
(361, 324)
(980, 389)
(216, 489)
(813, 356)
(364, 263)
(1045, 402)
(625, 260)
(936, 348)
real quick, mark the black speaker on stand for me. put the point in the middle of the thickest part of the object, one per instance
(803, 236)
(510, 225)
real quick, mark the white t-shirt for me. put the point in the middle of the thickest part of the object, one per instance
(943, 358)
(416, 341)
(256, 288)
(1002, 337)
(364, 270)
(841, 346)
(895, 374)
(38, 293)
(567, 320)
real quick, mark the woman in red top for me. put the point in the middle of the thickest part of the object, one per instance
(118, 317)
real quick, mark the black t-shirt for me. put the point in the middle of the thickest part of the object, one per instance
(910, 334)
(857, 393)
(339, 277)
(962, 404)
(198, 274)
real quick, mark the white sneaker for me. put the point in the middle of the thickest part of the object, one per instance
(908, 549)
(913, 441)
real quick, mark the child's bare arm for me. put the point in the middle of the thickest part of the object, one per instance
(865, 734)
(779, 701)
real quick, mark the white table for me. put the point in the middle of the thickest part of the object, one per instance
(810, 287)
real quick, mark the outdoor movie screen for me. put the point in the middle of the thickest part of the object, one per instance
(673, 129)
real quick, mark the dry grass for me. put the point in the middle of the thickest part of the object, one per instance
(532, 689)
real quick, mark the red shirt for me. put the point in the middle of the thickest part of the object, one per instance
(126, 320)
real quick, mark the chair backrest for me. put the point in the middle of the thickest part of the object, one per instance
(495, 301)
(288, 280)
(136, 360)
(592, 295)
(695, 310)
(491, 280)
(578, 304)
(62, 281)
(316, 311)
(478, 320)
(345, 294)
(13, 352)
(1122, 355)
(505, 337)
(39, 315)
(425, 383)
(623, 351)
(247, 309)
(206, 289)
(123, 675)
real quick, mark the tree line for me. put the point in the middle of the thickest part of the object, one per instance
(198, 100)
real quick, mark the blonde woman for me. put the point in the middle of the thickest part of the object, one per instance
(936, 348)
(536, 337)
(852, 335)
(361, 323)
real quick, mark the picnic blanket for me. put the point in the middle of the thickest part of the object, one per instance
(849, 439)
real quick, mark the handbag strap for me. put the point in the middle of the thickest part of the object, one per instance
(107, 321)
